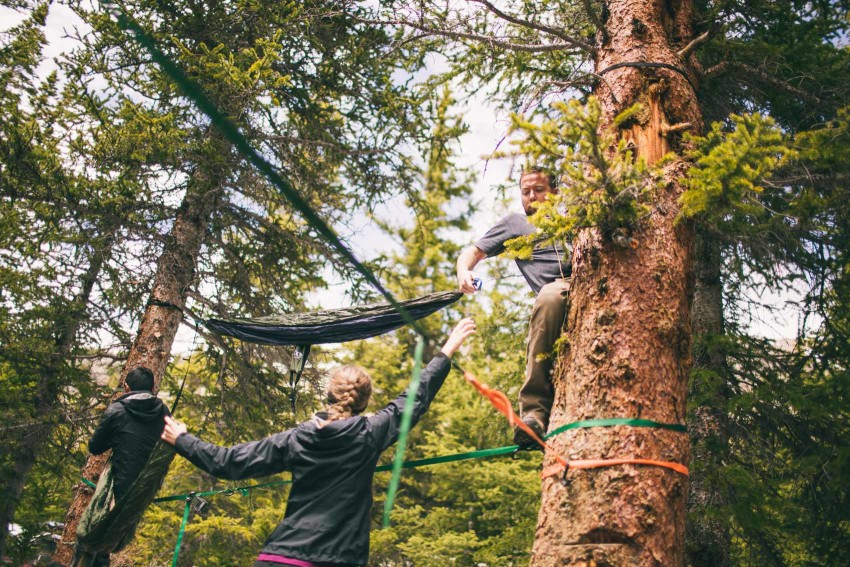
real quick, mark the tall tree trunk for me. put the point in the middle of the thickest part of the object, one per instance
(708, 529)
(34, 438)
(175, 276)
(629, 327)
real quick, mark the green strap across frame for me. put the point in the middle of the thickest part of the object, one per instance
(406, 419)
(186, 508)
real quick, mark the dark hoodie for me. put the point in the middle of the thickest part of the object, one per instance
(327, 515)
(131, 426)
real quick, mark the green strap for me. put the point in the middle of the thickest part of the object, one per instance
(88, 483)
(406, 418)
(243, 490)
(633, 422)
(185, 521)
(452, 458)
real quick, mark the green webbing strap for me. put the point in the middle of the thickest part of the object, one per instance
(483, 453)
(633, 422)
(406, 418)
(186, 508)
(88, 483)
(243, 490)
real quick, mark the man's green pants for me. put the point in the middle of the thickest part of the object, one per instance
(547, 322)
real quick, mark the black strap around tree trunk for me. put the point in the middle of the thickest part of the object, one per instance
(652, 65)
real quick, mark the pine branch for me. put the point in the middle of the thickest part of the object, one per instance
(697, 41)
(594, 17)
(540, 27)
(761, 76)
(490, 40)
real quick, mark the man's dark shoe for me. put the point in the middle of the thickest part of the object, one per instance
(523, 439)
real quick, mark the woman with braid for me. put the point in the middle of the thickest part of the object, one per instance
(332, 459)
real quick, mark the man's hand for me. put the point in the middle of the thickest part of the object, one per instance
(467, 260)
(463, 329)
(173, 430)
(464, 281)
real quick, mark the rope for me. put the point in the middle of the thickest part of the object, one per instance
(186, 375)
(406, 418)
(454, 457)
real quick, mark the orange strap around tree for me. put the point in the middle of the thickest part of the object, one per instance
(501, 402)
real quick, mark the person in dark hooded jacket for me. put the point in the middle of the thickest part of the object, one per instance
(130, 426)
(332, 459)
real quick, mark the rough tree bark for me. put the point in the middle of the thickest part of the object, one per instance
(50, 385)
(708, 538)
(629, 325)
(175, 275)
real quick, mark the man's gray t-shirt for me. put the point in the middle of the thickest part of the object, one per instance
(546, 262)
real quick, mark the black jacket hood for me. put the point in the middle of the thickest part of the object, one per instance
(332, 433)
(143, 406)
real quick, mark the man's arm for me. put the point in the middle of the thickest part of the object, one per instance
(466, 262)
(101, 440)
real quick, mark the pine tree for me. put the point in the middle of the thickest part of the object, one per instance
(780, 57)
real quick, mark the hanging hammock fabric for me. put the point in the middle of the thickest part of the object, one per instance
(107, 526)
(331, 325)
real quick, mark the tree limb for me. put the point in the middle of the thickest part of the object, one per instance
(763, 77)
(696, 42)
(594, 17)
(524, 47)
(540, 27)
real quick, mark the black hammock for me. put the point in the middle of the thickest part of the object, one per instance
(331, 325)
(328, 326)
(107, 525)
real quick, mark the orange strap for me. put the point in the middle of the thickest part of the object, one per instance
(501, 402)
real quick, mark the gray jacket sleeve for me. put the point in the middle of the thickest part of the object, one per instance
(248, 460)
(386, 424)
(101, 440)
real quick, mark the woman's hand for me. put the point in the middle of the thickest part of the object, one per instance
(173, 430)
(463, 329)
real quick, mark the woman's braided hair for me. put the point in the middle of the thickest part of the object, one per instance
(349, 390)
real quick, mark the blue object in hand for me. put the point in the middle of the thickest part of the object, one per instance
(477, 284)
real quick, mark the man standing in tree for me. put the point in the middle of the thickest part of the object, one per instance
(130, 426)
(547, 272)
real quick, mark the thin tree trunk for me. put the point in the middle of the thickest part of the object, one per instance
(34, 438)
(175, 276)
(629, 328)
(708, 537)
